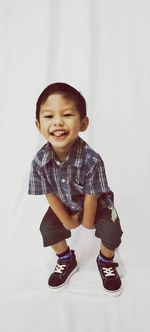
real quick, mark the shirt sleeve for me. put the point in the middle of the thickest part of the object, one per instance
(38, 183)
(95, 179)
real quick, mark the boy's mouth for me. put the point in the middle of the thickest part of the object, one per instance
(59, 133)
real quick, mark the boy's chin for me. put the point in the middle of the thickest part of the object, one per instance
(62, 143)
(62, 140)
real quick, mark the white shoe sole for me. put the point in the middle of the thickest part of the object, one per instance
(112, 293)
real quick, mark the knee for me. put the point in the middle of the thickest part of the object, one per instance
(110, 233)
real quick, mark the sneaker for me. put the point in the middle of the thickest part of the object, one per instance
(64, 269)
(110, 277)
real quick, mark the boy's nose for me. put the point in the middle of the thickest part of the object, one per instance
(58, 121)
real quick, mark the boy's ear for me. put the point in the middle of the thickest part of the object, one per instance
(37, 124)
(84, 124)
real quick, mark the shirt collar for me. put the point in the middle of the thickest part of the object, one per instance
(75, 156)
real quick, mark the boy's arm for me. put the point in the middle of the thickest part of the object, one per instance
(57, 206)
(90, 205)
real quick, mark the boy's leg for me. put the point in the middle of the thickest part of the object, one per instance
(52, 230)
(106, 252)
(60, 247)
(109, 230)
(54, 235)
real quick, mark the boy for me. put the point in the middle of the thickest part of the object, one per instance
(72, 177)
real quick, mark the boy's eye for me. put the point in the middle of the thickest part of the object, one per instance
(48, 116)
(68, 114)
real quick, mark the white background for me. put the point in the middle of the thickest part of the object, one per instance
(101, 47)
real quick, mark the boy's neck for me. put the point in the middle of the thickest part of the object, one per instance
(61, 154)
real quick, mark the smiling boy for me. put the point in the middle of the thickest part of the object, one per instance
(72, 177)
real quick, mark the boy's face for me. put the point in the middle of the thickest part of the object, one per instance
(60, 122)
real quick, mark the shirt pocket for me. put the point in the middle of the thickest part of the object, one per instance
(78, 187)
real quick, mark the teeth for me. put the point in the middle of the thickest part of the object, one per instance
(59, 133)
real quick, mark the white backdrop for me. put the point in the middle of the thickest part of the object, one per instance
(103, 49)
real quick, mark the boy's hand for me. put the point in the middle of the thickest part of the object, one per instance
(88, 225)
(73, 222)
(89, 212)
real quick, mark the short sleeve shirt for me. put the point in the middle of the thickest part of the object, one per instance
(83, 172)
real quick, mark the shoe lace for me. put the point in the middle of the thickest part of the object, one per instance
(108, 272)
(59, 268)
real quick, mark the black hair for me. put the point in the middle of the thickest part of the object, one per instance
(67, 91)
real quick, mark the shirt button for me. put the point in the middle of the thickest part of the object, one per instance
(63, 180)
(67, 195)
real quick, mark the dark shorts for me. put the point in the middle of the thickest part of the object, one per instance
(107, 227)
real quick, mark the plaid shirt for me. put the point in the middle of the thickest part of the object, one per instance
(81, 173)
